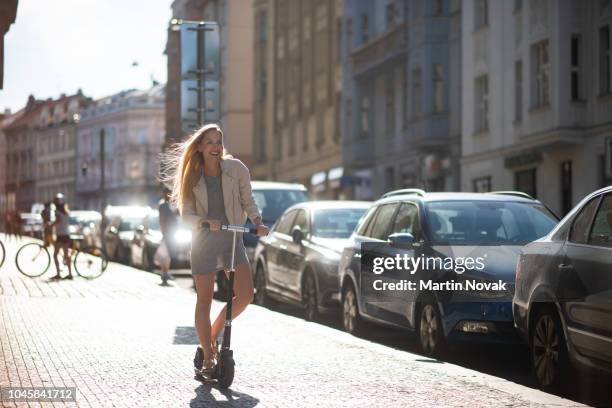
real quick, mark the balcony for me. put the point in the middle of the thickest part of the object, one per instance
(388, 47)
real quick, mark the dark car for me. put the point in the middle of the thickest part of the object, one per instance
(489, 228)
(298, 260)
(122, 222)
(563, 301)
(148, 237)
(272, 199)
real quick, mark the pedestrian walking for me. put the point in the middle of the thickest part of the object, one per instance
(167, 223)
(47, 224)
(211, 188)
(62, 233)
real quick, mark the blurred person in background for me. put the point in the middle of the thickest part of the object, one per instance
(167, 223)
(47, 224)
(62, 233)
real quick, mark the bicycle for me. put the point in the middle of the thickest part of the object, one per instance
(2, 254)
(90, 262)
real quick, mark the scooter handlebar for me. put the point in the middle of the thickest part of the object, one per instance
(233, 228)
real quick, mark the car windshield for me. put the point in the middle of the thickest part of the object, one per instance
(336, 223)
(487, 222)
(129, 224)
(273, 203)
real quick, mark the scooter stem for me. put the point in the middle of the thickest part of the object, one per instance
(227, 334)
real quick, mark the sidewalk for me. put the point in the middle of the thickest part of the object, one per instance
(125, 341)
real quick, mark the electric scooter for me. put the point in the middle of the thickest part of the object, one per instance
(223, 373)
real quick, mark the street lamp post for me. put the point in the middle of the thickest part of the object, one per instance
(102, 182)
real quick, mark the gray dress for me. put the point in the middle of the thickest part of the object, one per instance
(211, 251)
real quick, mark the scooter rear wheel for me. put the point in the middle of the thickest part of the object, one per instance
(225, 372)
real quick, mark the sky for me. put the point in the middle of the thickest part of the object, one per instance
(59, 46)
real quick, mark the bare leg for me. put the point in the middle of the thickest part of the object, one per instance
(205, 285)
(243, 295)
(67, 262)
(56, 248)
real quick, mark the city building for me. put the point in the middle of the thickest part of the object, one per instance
(132, 125)
(20, 132)
(537, 98)
(235, 19)
(401, 112)
(4, 121)
(55, 147)
(297, 92)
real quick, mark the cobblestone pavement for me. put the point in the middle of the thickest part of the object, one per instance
(123, 340)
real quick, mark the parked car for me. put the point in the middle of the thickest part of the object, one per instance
(148, 237)
(563, 301)
(87, 224)
(416, 224)
(32, 224)
(122, 222)
(272, 199)
(298, 260)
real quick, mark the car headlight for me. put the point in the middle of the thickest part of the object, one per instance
(73, 229)
(182, 236)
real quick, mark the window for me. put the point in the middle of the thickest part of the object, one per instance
(389, 178)
(390, 14)
(404, 111)
(263, 85)
(604, 60)
(390, 106)
(349, 34)
(482, 184)
(407, 220)
(285, 223)
(541, 69)
(576, 56)
(518, 91)
(365, 35)
(381, 225)
(338, 223)
(365, 113)
(582, 222)
(348, 105)
(566, 187)
(438, 88)
(518, 5)
(416, 91)
(437, 7)
(482, 104)
(263, 26)
(366, 221)
(601, 233)
(481, 14)
(525, 181)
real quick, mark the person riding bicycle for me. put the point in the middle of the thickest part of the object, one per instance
(47, 224)
(62, 240)
(211, 188)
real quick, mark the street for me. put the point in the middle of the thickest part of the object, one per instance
(124, 340)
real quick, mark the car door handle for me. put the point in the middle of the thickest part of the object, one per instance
(566, 268)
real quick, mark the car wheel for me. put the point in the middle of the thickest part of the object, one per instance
(549, 357)
(429, 328)
(310, 297)
(261, 297)
(351, 319)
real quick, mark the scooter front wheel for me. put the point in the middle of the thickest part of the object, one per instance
(225, 371)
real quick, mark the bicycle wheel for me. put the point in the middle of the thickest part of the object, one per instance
(90, 262)
(33, 259)
(2, 253)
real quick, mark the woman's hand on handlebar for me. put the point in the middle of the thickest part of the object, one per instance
(213, 225)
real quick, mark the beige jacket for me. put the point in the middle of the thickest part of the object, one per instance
(237, 196)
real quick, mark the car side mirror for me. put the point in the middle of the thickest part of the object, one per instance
(403, 240)
(297, 235)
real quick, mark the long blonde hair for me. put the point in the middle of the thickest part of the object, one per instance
(182, 166)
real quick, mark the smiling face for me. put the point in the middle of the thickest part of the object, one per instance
(211, 145)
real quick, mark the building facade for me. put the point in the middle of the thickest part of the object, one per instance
(8, 12)
(20, 133)
(133, 126)
(55, 147)
(297, 93)
(537, 98)
(401, 120)
(235, 19)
